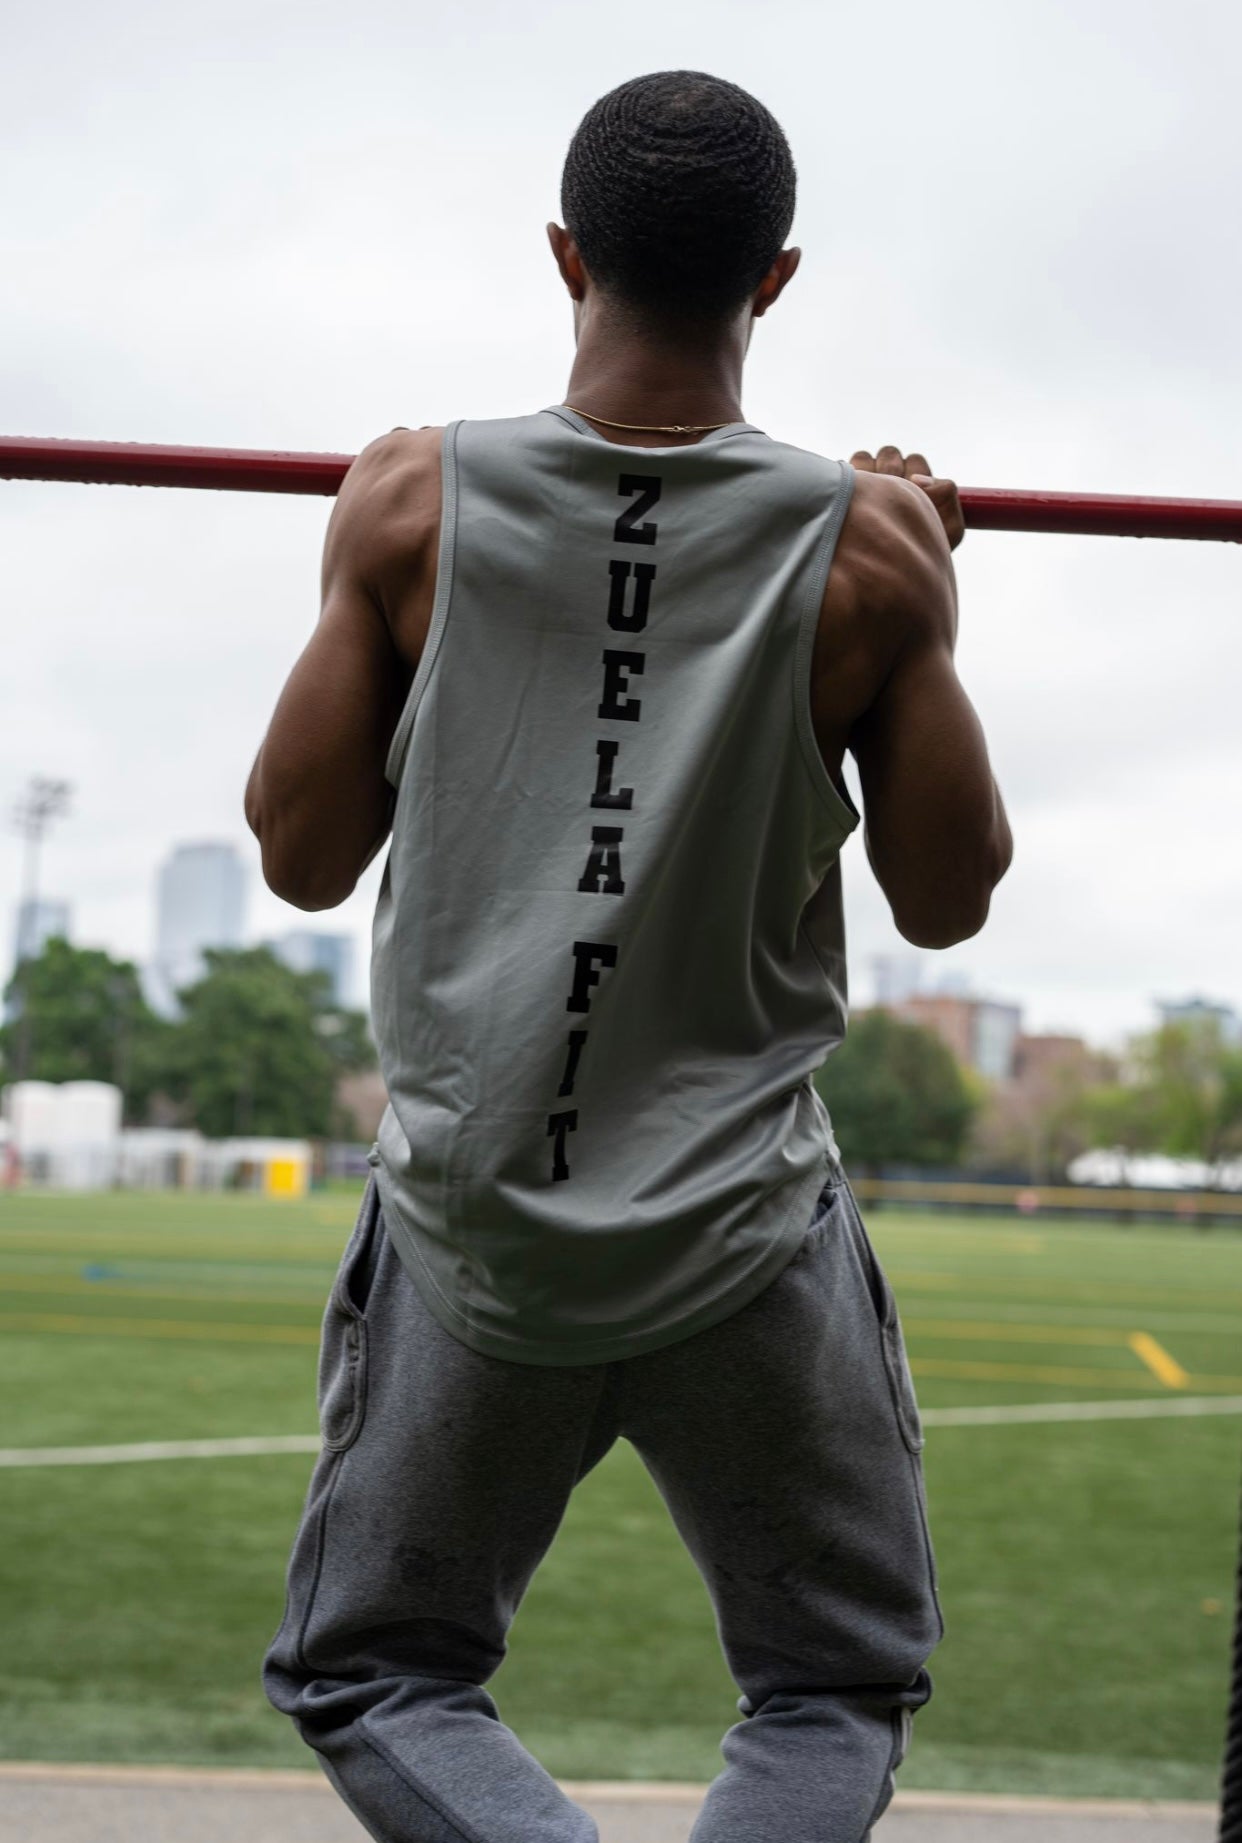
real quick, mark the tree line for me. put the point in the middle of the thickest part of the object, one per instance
(898, 1095)
(258, 1048)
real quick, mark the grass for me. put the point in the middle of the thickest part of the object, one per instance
(1086, 1568)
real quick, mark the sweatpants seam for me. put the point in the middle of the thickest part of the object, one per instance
(928, 1553)
(882, 1803)
(466, 1832)
(320, 1546)
(589, 1421)
(332, 1773)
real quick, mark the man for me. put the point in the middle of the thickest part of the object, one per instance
(592, 672)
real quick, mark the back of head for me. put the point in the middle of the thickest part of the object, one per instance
(678, 190)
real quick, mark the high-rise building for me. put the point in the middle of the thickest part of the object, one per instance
(38, 919)
(308, 950)
(1187, 1010)
(200, 902)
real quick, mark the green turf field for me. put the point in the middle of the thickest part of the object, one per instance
(1086, 1567)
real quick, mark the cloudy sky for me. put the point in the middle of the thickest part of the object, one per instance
(294, 226)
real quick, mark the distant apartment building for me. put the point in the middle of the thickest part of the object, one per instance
(308, 950)
(981, 1032)
(200, 903)
(1185, 1010)
(1042, 1063)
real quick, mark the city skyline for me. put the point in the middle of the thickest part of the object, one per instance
(888, 974)
(200, 899)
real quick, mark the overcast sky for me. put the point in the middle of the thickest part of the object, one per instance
(294, 226)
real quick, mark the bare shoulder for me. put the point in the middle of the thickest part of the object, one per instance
(892, 543)
(887, 578)
(395, 477)
(386, 526)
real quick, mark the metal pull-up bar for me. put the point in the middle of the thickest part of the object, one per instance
(264, 470)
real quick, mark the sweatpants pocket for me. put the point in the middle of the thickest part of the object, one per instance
(892, 1339)
(342, 1384)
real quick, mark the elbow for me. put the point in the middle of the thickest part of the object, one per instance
(310, 901)
(957, 914)
(310, 888)
(311, 898)
(940, 931)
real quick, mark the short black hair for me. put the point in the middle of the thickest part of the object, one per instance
(679, 190)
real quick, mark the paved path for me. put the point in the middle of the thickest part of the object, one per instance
(82, 1804)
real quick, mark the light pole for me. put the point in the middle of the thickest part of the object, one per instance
(42, 801)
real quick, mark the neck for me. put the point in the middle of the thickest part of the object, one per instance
(638, 375)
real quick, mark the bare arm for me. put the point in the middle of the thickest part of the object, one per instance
(936, 832)
(317, 798)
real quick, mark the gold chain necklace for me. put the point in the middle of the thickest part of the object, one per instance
(652, 428)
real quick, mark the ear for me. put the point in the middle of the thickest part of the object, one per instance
(568, 261)
(781, 272)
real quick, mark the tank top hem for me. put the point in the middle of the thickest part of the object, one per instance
(616, 1346)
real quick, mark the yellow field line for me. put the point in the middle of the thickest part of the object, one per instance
(54, 1284)
(1019, 1333)
(1091, 1200)
(1158, 1360)
(174, 1244)
(89, 1326)
(1103, 1291)
(952, 1329)
(1015, 1372)
(159, 1327)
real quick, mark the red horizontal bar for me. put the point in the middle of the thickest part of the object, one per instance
(263, 470)
(1116, 515)
(234, 470)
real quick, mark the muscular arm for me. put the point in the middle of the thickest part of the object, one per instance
(936, 832)
(317, 799)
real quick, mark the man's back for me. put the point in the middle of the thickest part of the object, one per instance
(609, 948)
(883, 682)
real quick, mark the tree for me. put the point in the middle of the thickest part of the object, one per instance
(260, 1047)
(1041, 1119)
(1182, 1095)
(897, 1094)
(1195, 1078)
(1123, 1115)
(89, 1022)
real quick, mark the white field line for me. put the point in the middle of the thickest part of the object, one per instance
(1134, 1410)
(250, 1446)
(160, 1449)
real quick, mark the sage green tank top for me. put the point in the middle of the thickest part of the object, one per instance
(608, 948)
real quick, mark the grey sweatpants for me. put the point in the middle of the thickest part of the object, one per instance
(785, 1442)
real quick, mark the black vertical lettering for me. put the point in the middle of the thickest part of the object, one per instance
(576, 1040)
(558, 1125)
(616, 665)
(644, 576)
(585, 973)
(605, 795)
(605, 862)
(627, 530)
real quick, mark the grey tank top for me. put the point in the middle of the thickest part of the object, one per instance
(608, 948)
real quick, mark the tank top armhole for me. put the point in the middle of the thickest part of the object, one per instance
(397, 748)
(840, 806)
